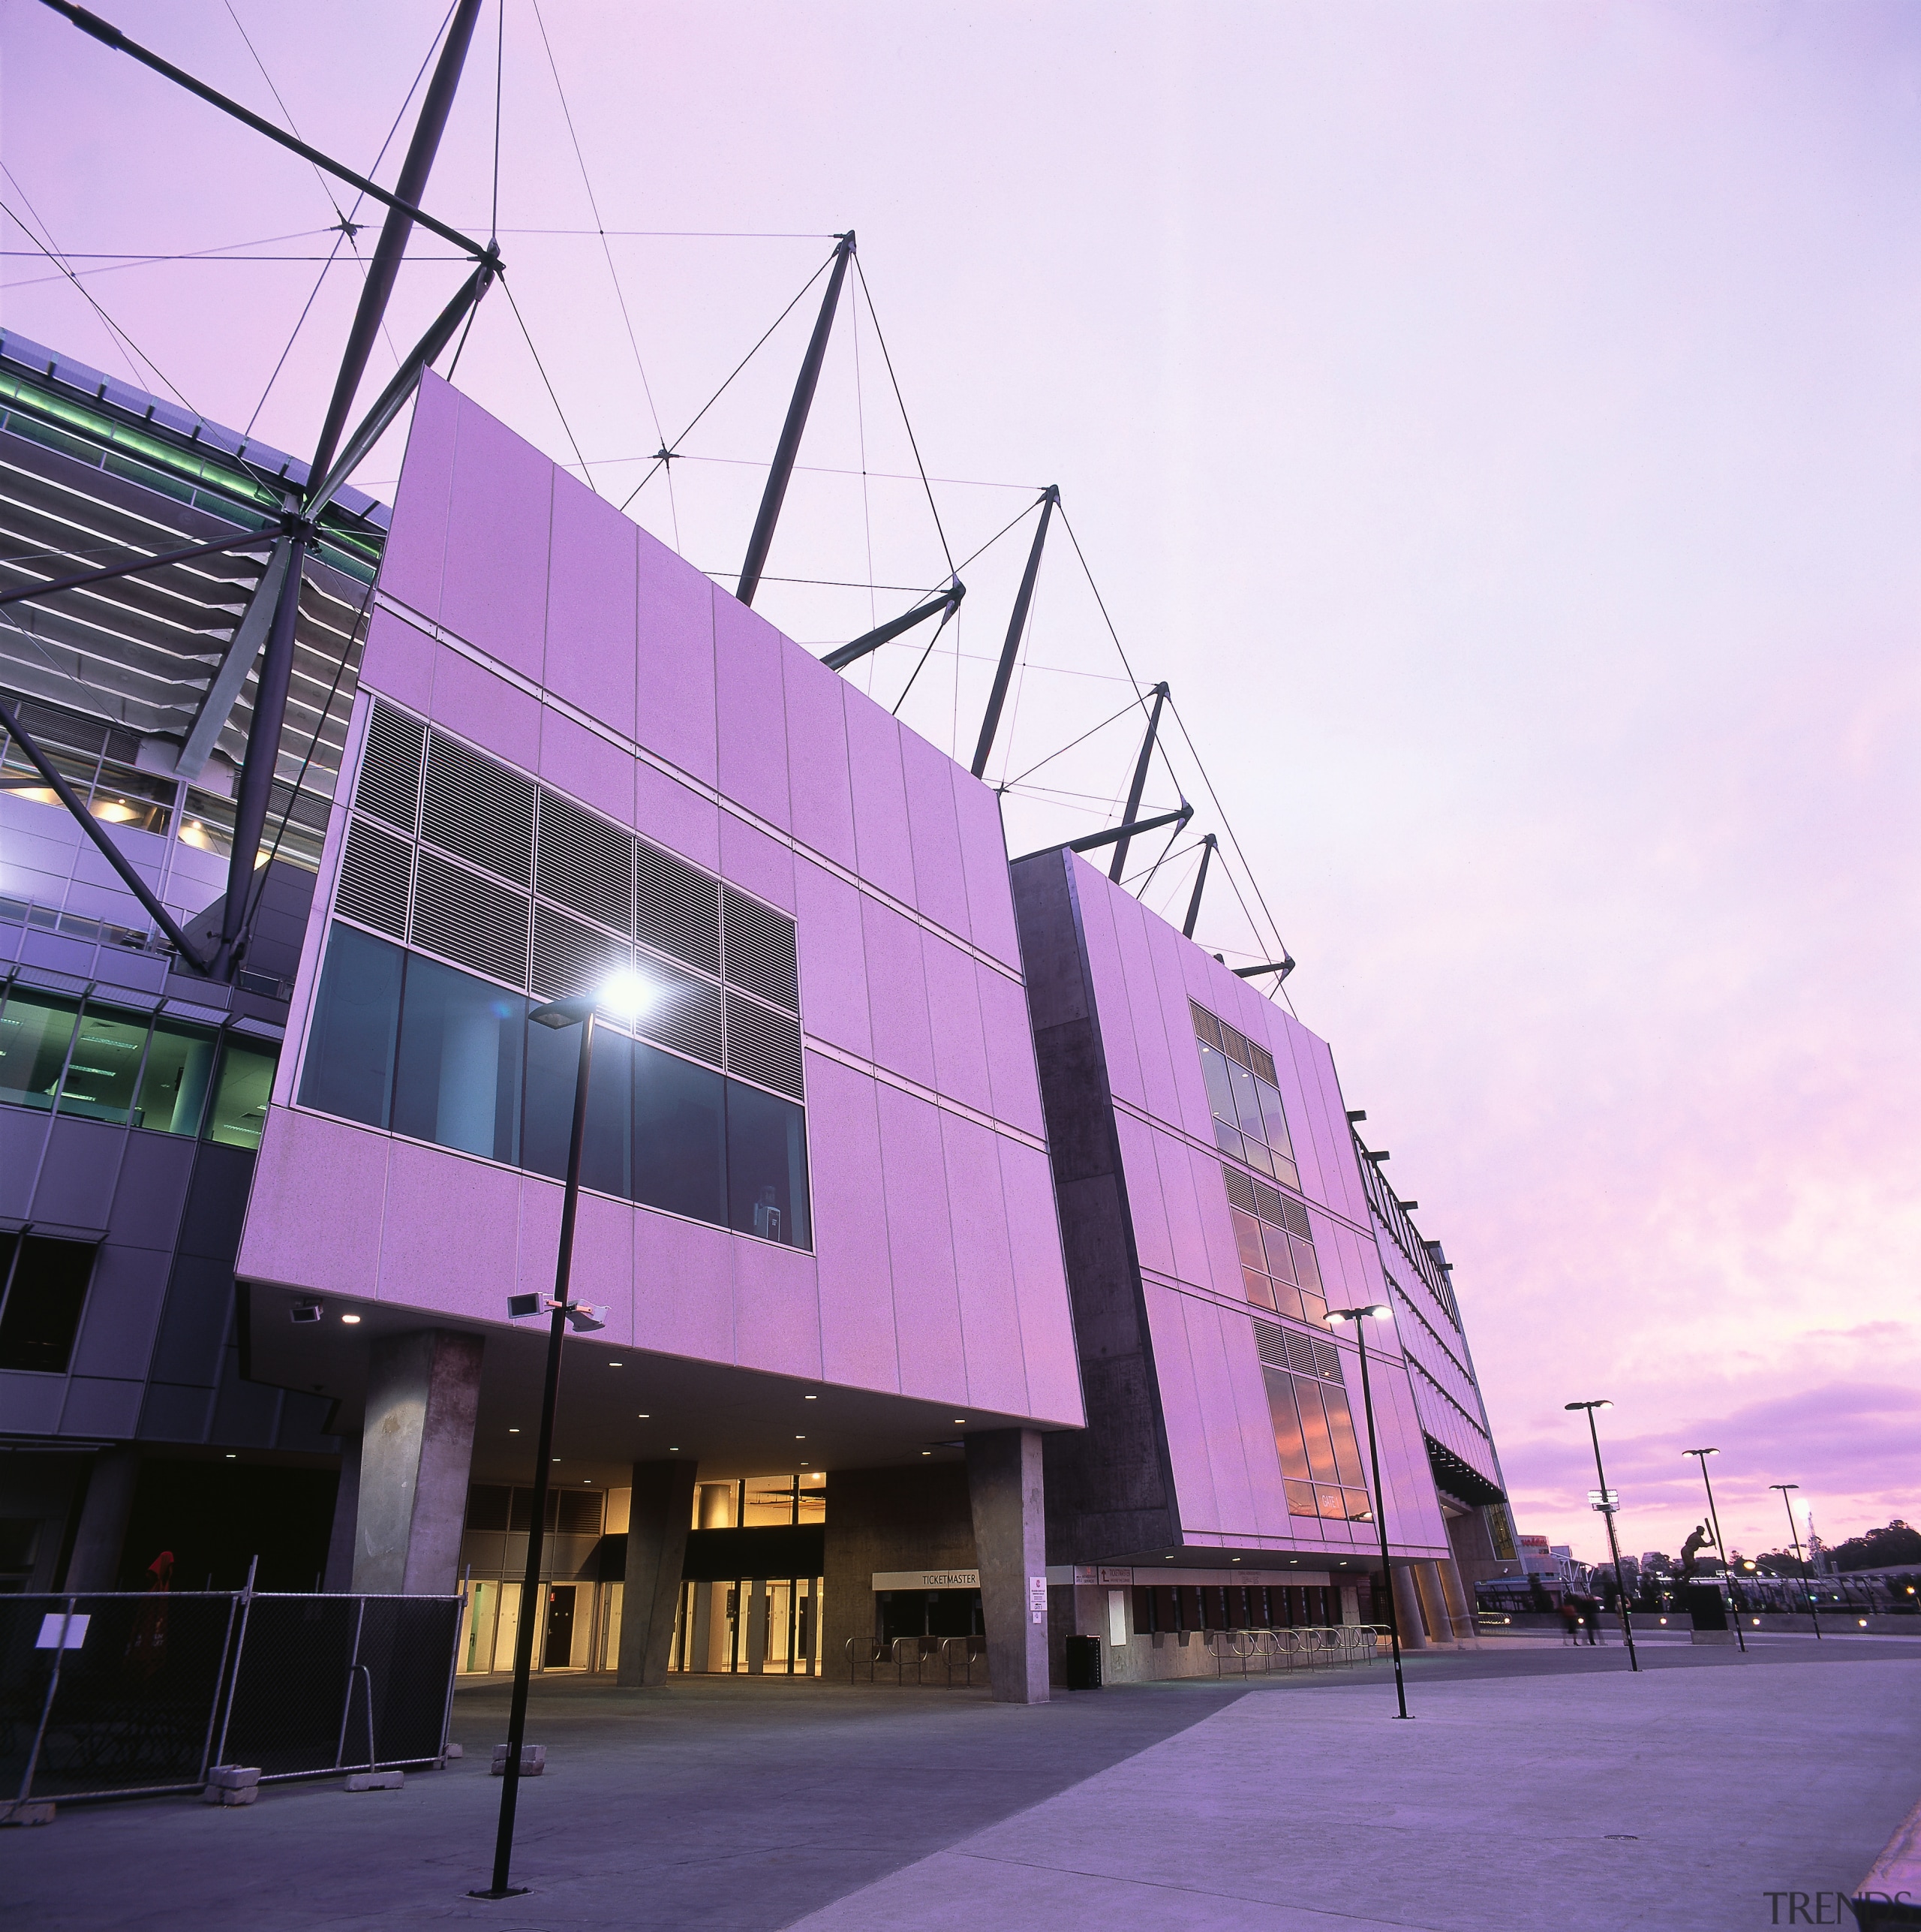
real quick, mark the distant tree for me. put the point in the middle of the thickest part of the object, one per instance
(1780, 1562)
(1657, 1563)
(1879, 1549)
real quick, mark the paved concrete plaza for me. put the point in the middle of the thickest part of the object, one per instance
(1538, 1787)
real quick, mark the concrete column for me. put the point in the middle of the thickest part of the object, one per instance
(339, 1573)
(701, 1642)
(1350, 1603)
(756, 1626)
(1004, 1487)
(95, 1562)
(1407, 1610)
(658, 1519)
(1455, 1598)
(416, 1451)
(1433, 1603)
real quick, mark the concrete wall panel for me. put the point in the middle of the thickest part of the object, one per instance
(415, 560)
(749, 711)
(498, 521)
(674, 713)
(926, 1295)
(984, 1270)
(591, 600)
(857, 1333)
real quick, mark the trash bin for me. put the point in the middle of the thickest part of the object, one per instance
(1084, 1663)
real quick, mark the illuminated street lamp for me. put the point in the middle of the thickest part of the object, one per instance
(1807, 1583)
(1336, 1317)
(626, 995)
(1607, 1504)
(1703, 1456)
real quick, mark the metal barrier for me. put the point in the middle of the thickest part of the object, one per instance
(946, 1654)
(109, 1695)
(1291, 1646)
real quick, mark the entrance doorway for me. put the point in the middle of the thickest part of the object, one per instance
(557, 1652)
(752, 1627)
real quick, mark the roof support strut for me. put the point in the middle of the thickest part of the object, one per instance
(1140, 783)
(944, 605)
(94, 830)
(236, 543)
(789, 446)
(225, 687)
(1096, 839)
(1016, 626)
(1283, 967)
(1208, 845)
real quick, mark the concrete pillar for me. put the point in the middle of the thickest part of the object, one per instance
(756, 1626)
(1407, 1610)
(1350, 1603)
(415, 1450)
(95, 1562)
(1455, 1598)
(701, 1642)
(657, 1518)
(1004, 1487)
(339, 1573)
(1434, 1601)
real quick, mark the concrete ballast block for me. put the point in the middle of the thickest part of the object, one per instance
(533, 1760)
(30, 1811)
(388, 1780)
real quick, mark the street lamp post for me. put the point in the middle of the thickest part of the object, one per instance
(1335, 1317)
(1807, 1583)
(623, 992)
(1715, 1521)
(1607, 1509)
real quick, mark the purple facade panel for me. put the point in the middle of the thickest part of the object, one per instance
(1146, 1208)
(399, 661)
(1213, 1336)
(1148, 1004)
(834, 977)
(954, 1014)
(674, 709)
(583, 764)
(880, 796)
(314, 1218)
(1109, 980)
(926, 1298)
(1040, 1281)
(897, 994)
(756, 863)
(591, 606)
(983, 858)
(413, 563)
(940, 883)
(819, 787)
(1342, 1179)
(984, 1267)
(777, 1310)
(602, 1269)
(683, 1287)
(750, 711)
(424, 1263)
(1414, 1517)
(1012, 1080)
(499, 519)
(1197, 1258)
(856, 1273)
(1191, 1112)
(676, 816)
(473, 703)
(1183, 1414)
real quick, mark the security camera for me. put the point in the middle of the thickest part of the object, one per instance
(306, 1311)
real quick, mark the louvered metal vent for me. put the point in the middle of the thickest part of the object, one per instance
(583, 862)
(570, 956)
(676, 908)
(763, 1045)
(472, 921)
(1281, 1348)
(687, 1016)
(1273, 1344)
(757, 944)
(1294, 1218)
(1264, 1063)
(1241, 1190)
(389, 786)
(1268, 1204)
(478, 809)
(376, 871)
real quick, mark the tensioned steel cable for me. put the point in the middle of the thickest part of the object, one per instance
(526, 337)
(906, 422)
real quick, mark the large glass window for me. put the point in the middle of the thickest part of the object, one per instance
(679, 1137)
(45, 1283)
(174, 1083)
(350, 1051)
(36, 1029)
(1250, 1123)
(105, 1063)
(457, 1079)
(1314, 1436)
(767, 1167)
(240, 1102)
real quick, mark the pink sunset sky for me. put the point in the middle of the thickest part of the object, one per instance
(1498, 423)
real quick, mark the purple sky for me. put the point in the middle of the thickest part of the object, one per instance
(1496, 422)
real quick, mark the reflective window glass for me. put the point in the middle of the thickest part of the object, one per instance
(1314, 1430)
(1220, 1088)
(1229, 1141)
(1287, 1302)
(606, 1150)
(173, 1083)
(1274, 1120)
(1247, 1102)
(240, 1103)
(1260, 1290)
(35, 1029)
(1300, 1499)
(1347, 1447)
(45, 1285)
(105, 1062)
(1279, 1263)
(679, 1137)
(1247, 1238)
(767, 1167)
(1359, 1509)
(1332, 1502)
(1306, 1270)
(1287, 1427)
(457, 1073)
(552, 1066)
(349, 1050)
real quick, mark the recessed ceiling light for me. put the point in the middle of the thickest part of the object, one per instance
(232, 1456)
(514, 1432)
(351, 1320)
(799, 1439)
(557, 1458)
(675, 1450)
(644, 1417)
(810, 1398)
(804, 1465)
(1235, 1559)
(616, 1364)
(961, 1419)
(926, 1451)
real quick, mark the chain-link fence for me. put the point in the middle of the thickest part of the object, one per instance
(103, 1695)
